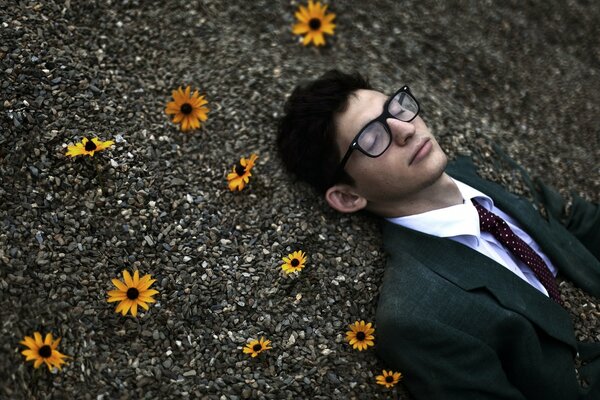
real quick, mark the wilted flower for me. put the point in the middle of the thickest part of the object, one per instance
(88, 147)
(240, 174)
(255, 347)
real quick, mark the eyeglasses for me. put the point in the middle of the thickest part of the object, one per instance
(375, 137)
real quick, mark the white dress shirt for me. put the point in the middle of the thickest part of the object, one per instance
(461, 224)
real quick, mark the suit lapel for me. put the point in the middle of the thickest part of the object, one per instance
(572, 259)
(471, 271)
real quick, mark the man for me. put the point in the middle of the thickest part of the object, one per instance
(469, 307)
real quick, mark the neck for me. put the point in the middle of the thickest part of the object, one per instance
(440, 194)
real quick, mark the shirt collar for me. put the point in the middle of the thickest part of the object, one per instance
(457, 220)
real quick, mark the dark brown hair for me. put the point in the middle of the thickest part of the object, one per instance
(306, 138)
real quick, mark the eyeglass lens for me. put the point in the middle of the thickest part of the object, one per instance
(375, 139)
(403, 106)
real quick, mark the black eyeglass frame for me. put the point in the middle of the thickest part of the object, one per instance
(381, 119)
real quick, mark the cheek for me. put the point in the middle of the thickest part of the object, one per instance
(420, 125)
(365, 173)
(381, 171)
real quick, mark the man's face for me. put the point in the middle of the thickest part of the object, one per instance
(413, 161)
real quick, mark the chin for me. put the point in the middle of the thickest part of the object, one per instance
(444, 161)
(437, 159)
(436, 167)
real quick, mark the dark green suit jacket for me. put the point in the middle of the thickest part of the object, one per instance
(460, 326)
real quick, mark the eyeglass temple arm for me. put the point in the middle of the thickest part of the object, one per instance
(341, 165)
(347, 155)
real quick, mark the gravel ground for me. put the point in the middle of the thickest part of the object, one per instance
(524, 75)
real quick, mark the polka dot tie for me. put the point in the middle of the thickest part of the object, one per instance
(490, 222)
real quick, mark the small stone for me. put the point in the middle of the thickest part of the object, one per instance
(333, 377)
(246, 393)
(148, 240)
(326, 352)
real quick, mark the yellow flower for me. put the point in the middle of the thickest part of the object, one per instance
(255, 347)
(314, 22)
(188, 110)
(88, 147)
(294, 262)
(389, 378)
(240, 174)
(43, 351)
(360, 335)
(132, 293)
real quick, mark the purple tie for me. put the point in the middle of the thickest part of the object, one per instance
(490, 222)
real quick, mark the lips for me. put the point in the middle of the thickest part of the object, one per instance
(418, 150)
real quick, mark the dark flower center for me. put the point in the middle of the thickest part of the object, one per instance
(295, 262)
(256, 347)
(240, 169)
(360, 336)
(389, 379)
(90, 146)
(132, 293)
(45, 351)
(314, 24)
(186, 108)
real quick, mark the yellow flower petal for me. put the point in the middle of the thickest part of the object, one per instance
(120, 285)
(30, 354)
(116, 298)
(38, 339)
(178, 118)
(302, 14)
(185, 124)
(149, 292)
(29, 342)
(124, 306)
(307, 38)
(48, 339)
(145, 282)
(299, 29)
(127, 277)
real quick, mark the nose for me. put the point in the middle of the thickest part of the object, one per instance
(402, 131)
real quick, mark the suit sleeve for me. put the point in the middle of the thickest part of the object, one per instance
(441, 362)
(583, 221)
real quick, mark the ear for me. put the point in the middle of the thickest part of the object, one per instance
(344, 198)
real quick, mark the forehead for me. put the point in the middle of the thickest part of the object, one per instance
(363, 106)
